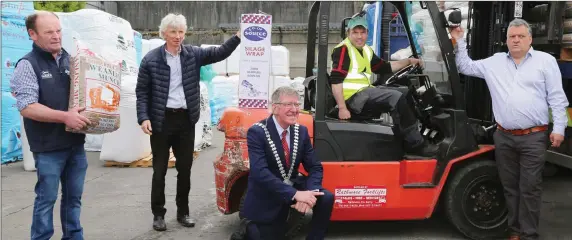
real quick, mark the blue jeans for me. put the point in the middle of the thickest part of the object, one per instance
(68, 166)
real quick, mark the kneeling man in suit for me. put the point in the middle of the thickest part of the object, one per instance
(276, 148)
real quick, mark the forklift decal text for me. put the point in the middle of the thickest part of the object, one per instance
(360, 197)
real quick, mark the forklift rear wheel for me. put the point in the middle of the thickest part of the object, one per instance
(294, 222)
(474, 201)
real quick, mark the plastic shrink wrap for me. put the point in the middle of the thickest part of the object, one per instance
(203, 128)
(15, 44)
(225, 94)
(280, 61)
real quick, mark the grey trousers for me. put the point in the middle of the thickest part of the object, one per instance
(520, 162)
(375, 100)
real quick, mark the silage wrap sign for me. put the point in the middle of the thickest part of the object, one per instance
(254, 60)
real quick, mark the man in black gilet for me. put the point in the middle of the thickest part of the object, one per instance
(41, 85)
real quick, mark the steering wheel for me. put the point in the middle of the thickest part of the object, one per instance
(401, 73)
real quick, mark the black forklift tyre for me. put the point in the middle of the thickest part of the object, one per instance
(474, 201)
(295, 219)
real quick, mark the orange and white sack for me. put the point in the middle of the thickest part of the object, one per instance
(95, 85)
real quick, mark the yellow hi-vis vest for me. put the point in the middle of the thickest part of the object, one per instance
(359, 72)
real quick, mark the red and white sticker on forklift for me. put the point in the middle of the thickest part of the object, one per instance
(359, 197)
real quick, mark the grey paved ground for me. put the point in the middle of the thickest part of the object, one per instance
(116, 206)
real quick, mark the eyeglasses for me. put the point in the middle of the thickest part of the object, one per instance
(290, 104)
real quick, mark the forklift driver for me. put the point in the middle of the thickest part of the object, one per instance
(352, 64)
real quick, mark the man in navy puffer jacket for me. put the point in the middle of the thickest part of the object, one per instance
(168, 108)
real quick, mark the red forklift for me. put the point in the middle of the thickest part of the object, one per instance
(365, 166)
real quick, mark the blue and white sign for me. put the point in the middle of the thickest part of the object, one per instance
(255, 33)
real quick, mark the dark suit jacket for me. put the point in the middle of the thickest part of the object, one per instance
(268, 198)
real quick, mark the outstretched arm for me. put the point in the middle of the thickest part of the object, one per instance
(398, 65)
(212, 55)
(465, 64)
(380, 66)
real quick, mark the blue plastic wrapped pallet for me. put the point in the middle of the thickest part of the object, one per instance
(15, 44)
(138, 39)
(225, 94)
(207, 75)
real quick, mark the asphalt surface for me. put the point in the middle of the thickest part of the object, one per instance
(116, 205)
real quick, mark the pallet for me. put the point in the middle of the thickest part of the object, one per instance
(144, 162)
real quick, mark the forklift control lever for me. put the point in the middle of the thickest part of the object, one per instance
(489, 127)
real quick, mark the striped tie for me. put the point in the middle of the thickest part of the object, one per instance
(285, 147)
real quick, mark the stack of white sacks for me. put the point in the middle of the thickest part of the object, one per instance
(279, 69)
(225, 84)
(112, 38)
(280, 73)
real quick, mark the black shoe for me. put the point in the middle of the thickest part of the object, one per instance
(242, 232)
(425, 150)
(186, 221)
(159, 224)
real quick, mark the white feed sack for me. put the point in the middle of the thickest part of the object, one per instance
(27, 155)
(276, 82)
(401, 54)
(279, 81)
(148, 45)
(93, 142)
(129, 135)
(155, 43)
(280, 61)
(95, 85)
(144, 47)
(104, 34)
(203, 129)
(232, 62)
(298, 84)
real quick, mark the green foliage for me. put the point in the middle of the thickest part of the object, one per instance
(59, 6)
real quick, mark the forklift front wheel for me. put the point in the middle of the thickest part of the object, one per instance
(474, 201)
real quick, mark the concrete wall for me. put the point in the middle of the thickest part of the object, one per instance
(107, 6)
(214, 28)
(146, 16)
